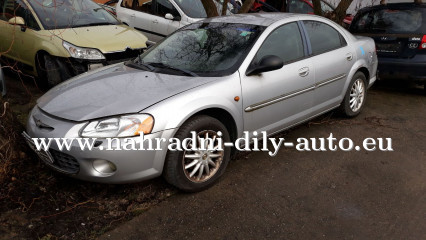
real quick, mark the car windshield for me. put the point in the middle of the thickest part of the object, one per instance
(195, 8)
(391, 21)
(58, 14)
(206, 49)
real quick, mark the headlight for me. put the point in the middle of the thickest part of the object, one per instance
(83, 53)
(124, 126)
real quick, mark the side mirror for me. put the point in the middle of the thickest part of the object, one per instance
(266, 64)
(17, 21)
(169, 16)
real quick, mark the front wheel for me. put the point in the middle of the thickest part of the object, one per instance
(198, 167)
(355, 97)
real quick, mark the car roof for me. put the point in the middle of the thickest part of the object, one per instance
(261, 19)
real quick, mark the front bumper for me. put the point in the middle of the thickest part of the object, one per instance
(131, 165)
(413, 69)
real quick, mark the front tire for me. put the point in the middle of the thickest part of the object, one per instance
(355, 97)
(196, 170)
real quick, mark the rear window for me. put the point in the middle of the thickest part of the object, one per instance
(391, 21)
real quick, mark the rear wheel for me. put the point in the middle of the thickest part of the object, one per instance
(196, 169)
(355, 97)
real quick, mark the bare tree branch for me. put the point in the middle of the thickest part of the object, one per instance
(224, 7)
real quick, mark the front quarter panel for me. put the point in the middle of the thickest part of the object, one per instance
(171, 113)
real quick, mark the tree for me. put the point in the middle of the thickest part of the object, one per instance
(317, 7)
(246, 6)
(418, 1)
(210, 8)
(338, 14)
(224, 7)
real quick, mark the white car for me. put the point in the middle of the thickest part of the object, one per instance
(159, 18)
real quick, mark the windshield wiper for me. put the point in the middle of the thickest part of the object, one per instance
(140, 65)
(165, 66)
(93, 24)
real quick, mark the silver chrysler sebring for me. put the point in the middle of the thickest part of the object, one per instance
(218, 78)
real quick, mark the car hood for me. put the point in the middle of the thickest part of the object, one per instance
(109, 38)
(113, 90)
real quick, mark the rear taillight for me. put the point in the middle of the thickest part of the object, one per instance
(423, 44)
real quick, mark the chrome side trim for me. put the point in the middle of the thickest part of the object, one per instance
(293, 94)
(278, 99)
(330, 80)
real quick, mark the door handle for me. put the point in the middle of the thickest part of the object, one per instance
(133, 15)
(303, 72)
(155, 21)
(349, 56)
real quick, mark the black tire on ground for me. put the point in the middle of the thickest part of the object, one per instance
(345, 107)
(174, 171)
(51, 71)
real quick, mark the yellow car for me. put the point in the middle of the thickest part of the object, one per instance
(57, 39)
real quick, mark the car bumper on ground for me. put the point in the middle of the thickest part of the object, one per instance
(413, 69)
(99, 164)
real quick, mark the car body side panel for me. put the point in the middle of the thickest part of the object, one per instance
(216, 94)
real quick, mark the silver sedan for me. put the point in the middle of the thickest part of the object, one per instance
(253, 72)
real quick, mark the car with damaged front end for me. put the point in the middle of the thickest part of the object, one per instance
(55, 40)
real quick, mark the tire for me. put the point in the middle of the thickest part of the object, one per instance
(355, 96)
(52, 72)
(197, 161)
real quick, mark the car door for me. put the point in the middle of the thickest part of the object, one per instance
(7, 33)
(144, 17)
(18, 40)
(333, 58)
(278, 99)
(125, 12)
(164, 25)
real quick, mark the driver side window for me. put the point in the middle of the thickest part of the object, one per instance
(13, 8)
(285, 42)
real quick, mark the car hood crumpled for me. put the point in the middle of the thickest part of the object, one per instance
(107, 39)
(113, 90)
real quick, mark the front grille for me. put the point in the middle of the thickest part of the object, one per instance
(122, 56)
(65, 162)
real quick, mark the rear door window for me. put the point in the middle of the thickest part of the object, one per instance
(127, 4)
(391, 21)
(323, 37)
(144, 6)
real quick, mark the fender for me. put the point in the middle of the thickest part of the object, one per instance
(185, 105)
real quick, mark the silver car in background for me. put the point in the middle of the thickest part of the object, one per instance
(159, 18)
(250, 72)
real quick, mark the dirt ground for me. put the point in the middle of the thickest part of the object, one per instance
(295, 195)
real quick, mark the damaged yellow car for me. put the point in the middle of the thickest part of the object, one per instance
(57, 39)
